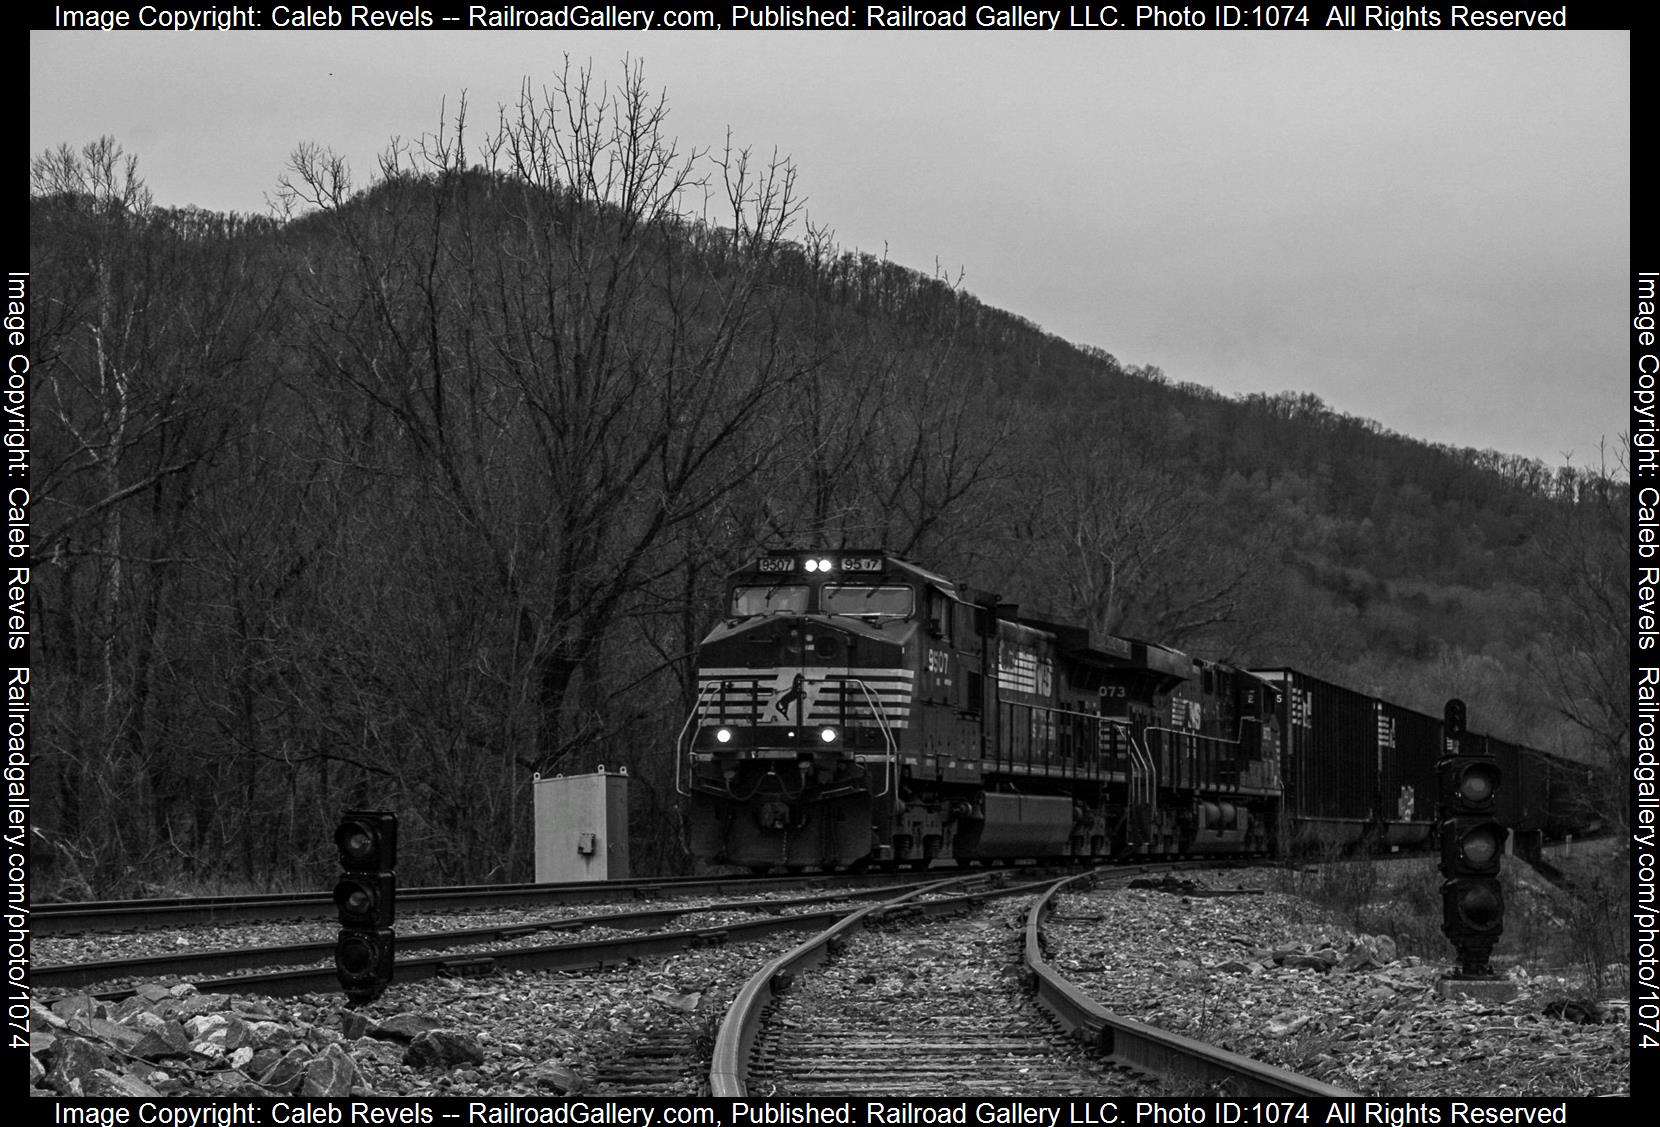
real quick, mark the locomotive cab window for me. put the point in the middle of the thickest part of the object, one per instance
(939, 615)
(791, 599)
(879, 602)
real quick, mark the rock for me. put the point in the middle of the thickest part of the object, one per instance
(367, 1048)
(115, 1035)
(160, 1037)
(270, 1035)
(251, 1010)
(232, 1082)
(1284, 1025)
(331, 1072)
(561, 1080)
(444, 1048)
(1568, 1009)
(74, 1005)
(686, 1003)
(137, 1004)
(41, 1016)
(1357, 959)
(73, 1060)
(194, 1005)
(353, 1024)
(285, 1074)
(222, 1033)
(1305, 962)
(105, 1082)
(404, 1027)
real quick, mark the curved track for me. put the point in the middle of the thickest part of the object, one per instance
(1058, 1042)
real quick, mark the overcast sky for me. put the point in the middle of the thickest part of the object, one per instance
(1428, 229)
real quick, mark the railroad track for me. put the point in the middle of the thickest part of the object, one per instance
(873, 1002)
(62, 918)
(456, 951)
(868, 1024)
(74, 917)
(844, 1031)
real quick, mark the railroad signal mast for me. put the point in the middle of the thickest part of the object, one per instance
(1472, 841)
(365, 895)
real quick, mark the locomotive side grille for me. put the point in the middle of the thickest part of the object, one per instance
(1017, 669)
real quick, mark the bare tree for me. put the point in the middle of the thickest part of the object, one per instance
(1584, 658)
(1131, 546)
(148, 334)
(554, 359)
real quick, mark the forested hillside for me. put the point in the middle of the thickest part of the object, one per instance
(427, 486)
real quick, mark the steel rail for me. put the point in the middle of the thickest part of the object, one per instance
(62, 918)
(582, 955)
(577, 956)
(729, 1066)
(173, 964)
(1181, 1060)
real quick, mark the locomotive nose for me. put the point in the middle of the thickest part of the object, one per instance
(805, 641)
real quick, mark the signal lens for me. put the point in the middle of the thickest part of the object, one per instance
(1476, 785)
(1479, 907)
(1479, 847)
(357, 845)
(355, 956)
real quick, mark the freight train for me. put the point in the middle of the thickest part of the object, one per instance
(854, 708)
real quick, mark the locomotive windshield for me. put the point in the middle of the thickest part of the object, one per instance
(887, 602)
(769, 600)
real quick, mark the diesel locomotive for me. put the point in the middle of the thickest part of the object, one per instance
(856, 708)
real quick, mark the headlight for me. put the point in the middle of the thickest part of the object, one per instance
(723, 735)
(828, 735)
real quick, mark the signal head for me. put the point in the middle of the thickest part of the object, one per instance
(1477, 783)
(1452, 718)
(363, 962)
(367, 840)
(366, 899)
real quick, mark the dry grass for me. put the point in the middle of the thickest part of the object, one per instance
(1573, 930)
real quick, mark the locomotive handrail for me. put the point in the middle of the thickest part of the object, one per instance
(875, 704)
(707, 689)
(1199, 745)
(1196, 735)
(1149, 777)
